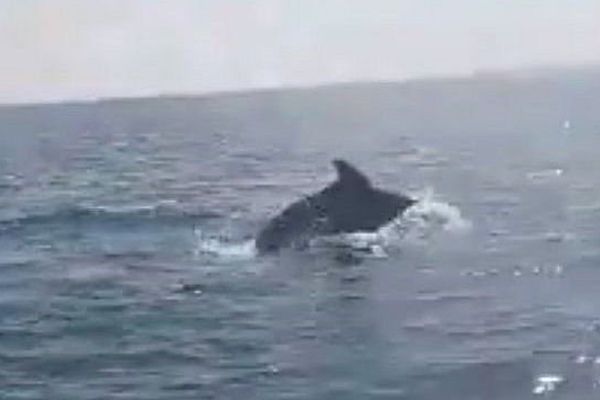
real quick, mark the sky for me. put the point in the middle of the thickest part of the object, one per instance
(53, 50)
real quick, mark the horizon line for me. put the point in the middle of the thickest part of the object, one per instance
(517, 72)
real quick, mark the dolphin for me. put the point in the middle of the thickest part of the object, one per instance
(349, 204)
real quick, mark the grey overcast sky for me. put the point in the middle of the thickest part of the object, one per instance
(80, 49)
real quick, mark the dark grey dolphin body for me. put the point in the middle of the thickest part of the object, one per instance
(350, 204)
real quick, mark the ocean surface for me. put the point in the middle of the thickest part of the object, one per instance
(127, 268)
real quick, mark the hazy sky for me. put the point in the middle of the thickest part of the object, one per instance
(64, 49)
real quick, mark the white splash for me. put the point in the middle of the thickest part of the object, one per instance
(426, 218)
(547, 383)
(355, 240)
(368, 244)
(442, 214)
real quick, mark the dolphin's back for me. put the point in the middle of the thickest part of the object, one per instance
(293, 226)
(349, 204)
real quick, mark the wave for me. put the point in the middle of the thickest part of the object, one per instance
(123, 214)
(545, 174)
(225, 236)
(222, 247)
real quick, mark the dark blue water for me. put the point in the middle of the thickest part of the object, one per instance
(126, 269)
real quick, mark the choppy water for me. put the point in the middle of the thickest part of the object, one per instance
(127, 270)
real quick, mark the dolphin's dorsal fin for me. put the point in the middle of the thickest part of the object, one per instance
(349, 176)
